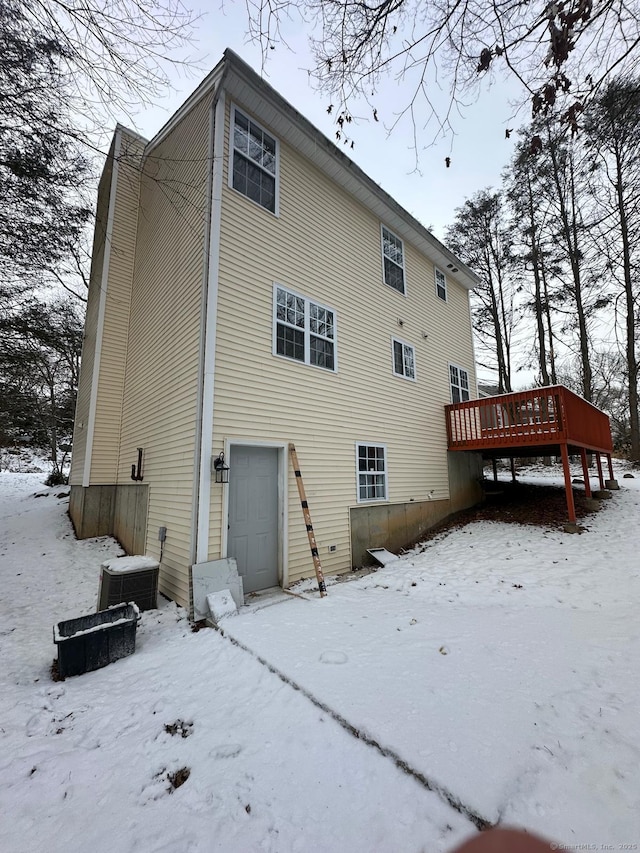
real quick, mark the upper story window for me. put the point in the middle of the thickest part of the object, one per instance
(393, 260)
(459, 380)
(441, 284)
(304, 330)
(255, 161)
(372, 472)
(404, 359)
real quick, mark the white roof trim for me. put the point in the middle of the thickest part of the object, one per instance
(209, 83)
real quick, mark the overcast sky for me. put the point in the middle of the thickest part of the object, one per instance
(478, 152)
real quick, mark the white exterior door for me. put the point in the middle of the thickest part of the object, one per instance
(254, 515)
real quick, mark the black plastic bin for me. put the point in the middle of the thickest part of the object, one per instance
(93, 641)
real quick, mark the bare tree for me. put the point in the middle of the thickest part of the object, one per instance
(560, 52)
(481, 237)
(40, 345)
(111, 57)
(67, 70)
(581, 294)
(40, 169)
(610, 391)
(613, 124)
(530, 221)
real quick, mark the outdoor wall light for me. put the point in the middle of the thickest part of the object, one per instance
(221, 470)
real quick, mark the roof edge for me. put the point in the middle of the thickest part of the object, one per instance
(209, 83)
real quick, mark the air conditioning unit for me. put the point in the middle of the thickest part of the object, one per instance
(129, 579)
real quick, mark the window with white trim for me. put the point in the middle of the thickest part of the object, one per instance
(372, 472)
(459, 380)
(255, 161)
(304, 330)
(441, 284)
(393, 260)
(404, 359)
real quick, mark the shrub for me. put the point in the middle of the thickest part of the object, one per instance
(57, 478)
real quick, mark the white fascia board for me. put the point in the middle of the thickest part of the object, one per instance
(133, 133)
(209, 83)
(104, 282)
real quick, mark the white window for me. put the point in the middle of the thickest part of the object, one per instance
(303, 330)
(459, 379)
(441, 284)
(254, 169)
(372, 472)
(404, 360)
(393, 260)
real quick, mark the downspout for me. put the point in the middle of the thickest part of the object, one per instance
(473, 343)
(204, 422)
(93, 400)
(203, 313)
(475, 374)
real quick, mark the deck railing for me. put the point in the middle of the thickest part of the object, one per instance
(542, 416)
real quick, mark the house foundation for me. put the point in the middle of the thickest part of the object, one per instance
(109, 510)
(394, 526)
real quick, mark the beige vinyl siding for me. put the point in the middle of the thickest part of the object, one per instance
(159, 412)
(90, 328)
(122, 247)
(326, 246)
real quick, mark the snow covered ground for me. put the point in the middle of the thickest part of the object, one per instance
(498, 667)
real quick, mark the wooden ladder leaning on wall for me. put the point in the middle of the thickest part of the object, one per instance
(307, 520)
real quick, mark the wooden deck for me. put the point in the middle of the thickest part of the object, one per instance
(542, 422)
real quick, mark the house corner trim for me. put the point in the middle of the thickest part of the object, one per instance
(210, 329)
(104, 285)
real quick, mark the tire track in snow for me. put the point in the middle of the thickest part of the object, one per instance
(447, 796)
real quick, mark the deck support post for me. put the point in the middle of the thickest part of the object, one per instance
(585, 472)
(600, 476)
(495, 470)
(571, 508)
(610, 466)
(513, 469)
